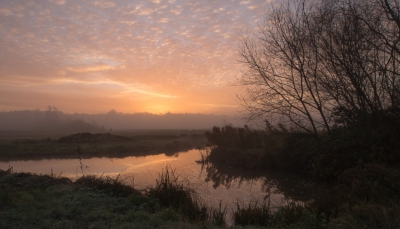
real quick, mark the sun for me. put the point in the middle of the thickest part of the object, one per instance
(158, 109)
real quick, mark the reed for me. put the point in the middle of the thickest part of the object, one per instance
(176, 192)
(217, 216)
(252, 214)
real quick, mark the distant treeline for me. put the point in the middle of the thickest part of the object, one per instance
(56, 120)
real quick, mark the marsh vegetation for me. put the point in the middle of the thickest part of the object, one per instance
(117, 145)
(324, 76)
(358, 165)
(104, 202)
(48, 201)
(341, 185)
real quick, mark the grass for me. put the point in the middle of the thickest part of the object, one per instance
(138, 143)
(252, 214)
(176, 192)
(292, 215)
(108, 185)
(48, 201)
(218, 215)
(364, 188)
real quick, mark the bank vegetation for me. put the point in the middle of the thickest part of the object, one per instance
(324, 77)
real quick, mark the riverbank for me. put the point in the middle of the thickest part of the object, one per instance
(360, 165)
(49, 201)
(361, 193)
(125, 143)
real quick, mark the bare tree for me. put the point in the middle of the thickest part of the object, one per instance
(283, 69)
(361, 68)
(382, 18)
(311, 60)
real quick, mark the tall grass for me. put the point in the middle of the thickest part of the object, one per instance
(176, 192)
(292, 215)
(6, 172)
(218, 215)
(252, 214)
(107, 184)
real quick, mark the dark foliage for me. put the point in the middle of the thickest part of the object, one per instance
(323, 158)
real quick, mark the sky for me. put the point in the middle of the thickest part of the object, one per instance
(155, 56)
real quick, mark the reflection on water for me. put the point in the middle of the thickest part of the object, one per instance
(293, 187)
(214, 182)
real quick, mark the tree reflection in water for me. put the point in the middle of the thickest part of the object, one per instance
(293, 186)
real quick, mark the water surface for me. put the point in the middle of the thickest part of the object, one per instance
(214, 183)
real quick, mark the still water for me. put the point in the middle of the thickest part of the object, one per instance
(213, 183)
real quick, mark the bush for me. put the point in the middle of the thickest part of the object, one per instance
(257, 149)
(348, 146)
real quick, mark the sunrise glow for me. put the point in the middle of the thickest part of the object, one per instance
(132, 56)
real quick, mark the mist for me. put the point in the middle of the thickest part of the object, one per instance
(57, 121)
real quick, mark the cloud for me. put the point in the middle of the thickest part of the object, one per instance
(104, 4)
(124, 89)
(93, 68)
(169, 48)
(146, 11)
(164, 20)
(219, 105)
(176, 11)
(58, 2)
(62, 72)
(127, 22)
(150, 93)
(5, 11)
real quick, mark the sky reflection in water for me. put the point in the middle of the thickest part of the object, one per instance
(214, 183)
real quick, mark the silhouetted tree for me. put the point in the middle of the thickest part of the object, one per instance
(312, 61)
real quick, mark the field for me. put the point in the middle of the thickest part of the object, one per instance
(41, 145)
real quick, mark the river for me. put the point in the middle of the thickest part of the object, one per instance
(213, 183)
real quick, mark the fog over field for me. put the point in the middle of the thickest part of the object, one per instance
(55, 120)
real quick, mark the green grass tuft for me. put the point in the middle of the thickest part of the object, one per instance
(177, 193)
(107, 184)
(252, 214)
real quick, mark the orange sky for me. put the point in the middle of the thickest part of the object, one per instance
(152, 56)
